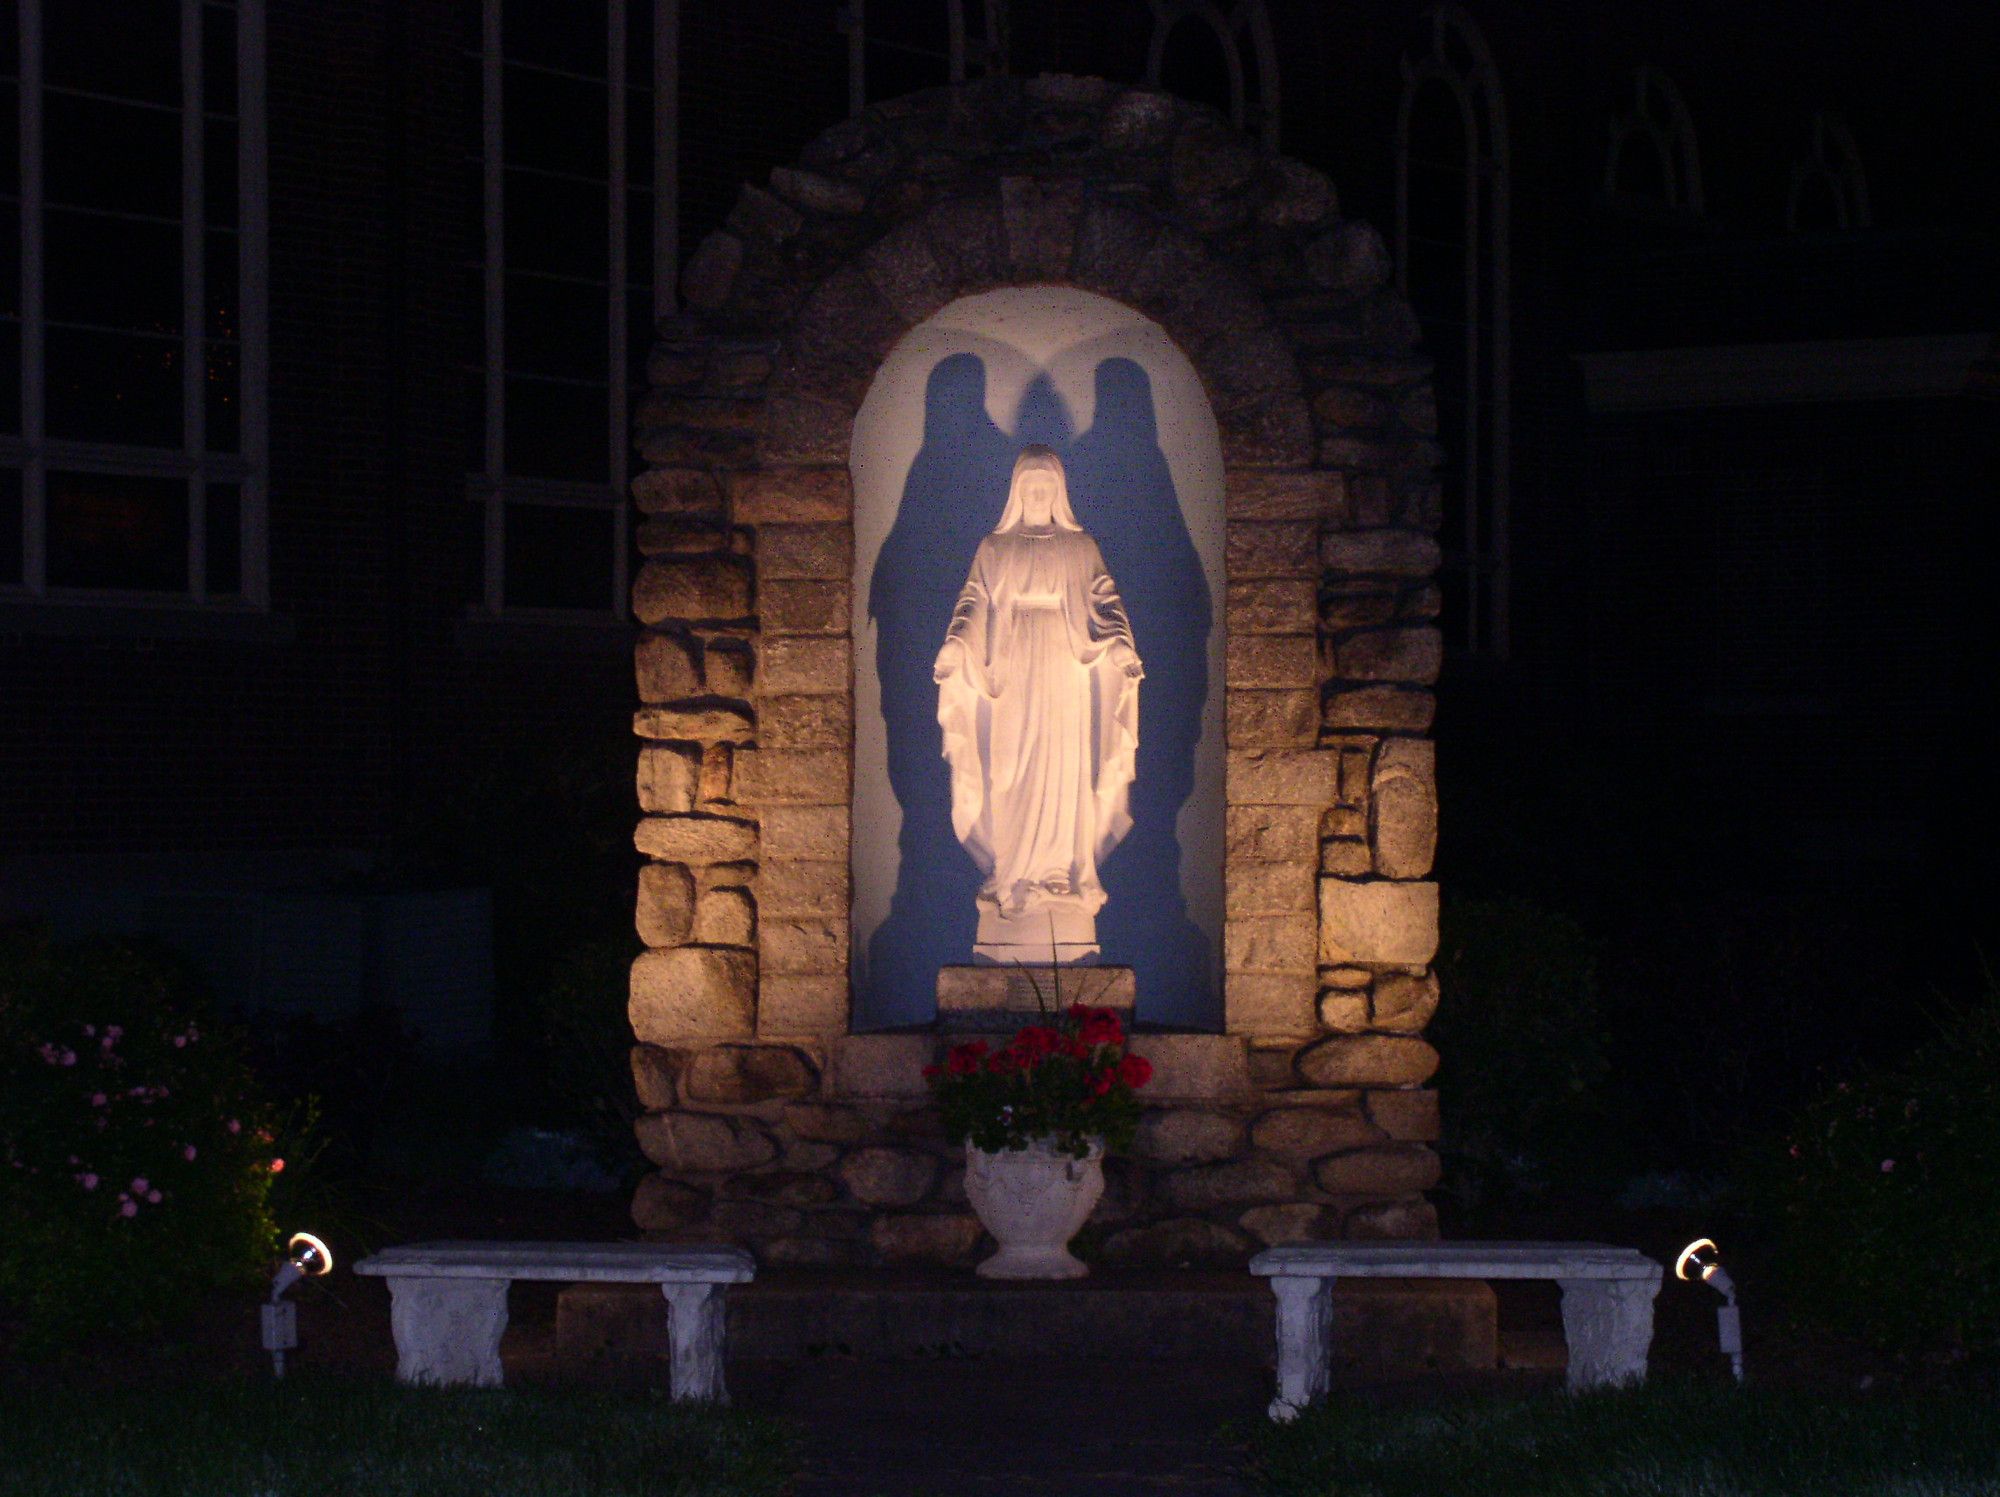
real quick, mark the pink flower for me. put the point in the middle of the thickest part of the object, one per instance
(98, 1099)
(130, 1208)
(234, 1126)
(69, 1057)
(159, 1091)
(90, 1031)
(114, 1032)
(140, 1185)
(153, 1196)
(87, 1180)
(188, 1153)
(180, 1042)
(1888, 1165)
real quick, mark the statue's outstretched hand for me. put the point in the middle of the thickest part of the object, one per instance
(946, 665)
(1127, 660)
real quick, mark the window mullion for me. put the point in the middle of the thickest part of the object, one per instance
(253, 292)
(493, 188)
(34, 475)
(615, 403)
(194, 301)
(666, 156)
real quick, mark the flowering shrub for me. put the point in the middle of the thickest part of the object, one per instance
(135, 1168)
(1071, 1081)
(1885, 1194)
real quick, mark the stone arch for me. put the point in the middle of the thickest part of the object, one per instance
(1306, 354)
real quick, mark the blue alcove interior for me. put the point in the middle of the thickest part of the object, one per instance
(1123, 493)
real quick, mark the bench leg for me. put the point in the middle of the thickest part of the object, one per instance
(1305, 1327)
(695, 1330)
(448, 1330)
(1609, 1326)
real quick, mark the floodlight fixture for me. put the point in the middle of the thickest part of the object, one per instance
(1705, 1260)
(306, 1256)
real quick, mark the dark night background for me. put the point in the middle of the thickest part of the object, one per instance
(1741, 733)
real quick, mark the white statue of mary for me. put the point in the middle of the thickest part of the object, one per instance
(1038, 696)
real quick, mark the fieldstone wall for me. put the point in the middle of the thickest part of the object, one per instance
(770, 1124)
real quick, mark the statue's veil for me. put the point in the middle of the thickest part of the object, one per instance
(1035, 458)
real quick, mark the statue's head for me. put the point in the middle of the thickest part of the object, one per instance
(1038, 497)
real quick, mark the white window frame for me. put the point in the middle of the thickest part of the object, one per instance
(35, 453)
(1834, 165)
(493, 486)
(1482, 553)
(1659, 120)
(990, 50)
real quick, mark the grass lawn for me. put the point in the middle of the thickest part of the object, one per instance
(330, 1436)
(1665, 1440)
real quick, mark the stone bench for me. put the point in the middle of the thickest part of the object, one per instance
(448, 1301)
(1607, 1300)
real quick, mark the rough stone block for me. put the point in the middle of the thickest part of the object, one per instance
(1266, 431)
(1270, 889)
(728, 667)
(1389, 709)
(819, 1123)
(699, 723)
(1271, 548)
(1403, 800)
(1309, 1132)
(790, 1005)
(1271, 661)
(1391, 655)
(656, 1075)
(791, 496)
(1299, 1221)
(888, 1177)
(667, 778)
(1407, 1220)
(1318, 496)
(1369, 1060)
(1382, 922)
(1271, 833)
(1271, 719)
(1282, 777)
(1195, 1067)
(739, 1220)
(665, 912)
(1239, 1182)
(771, 777)
(1270, 605)
(804, 721)
(1391, 1170)
(710, 274)
(808, 432)
(1405, 1003)
(725, 917)
(814, 552)
(686, 588)
(1038, 219)
(664, 1204)
(1406, 1115)
(1268, 1003)
(1178, 1242)
(1187, 1135)
(699, 1143)
(810, 834)
(1344, 1010)
(791, 607)
(1277, 943)
(818, 193)
(926, 1237)
(903, 270)
(1387, 553)
(1350, 257)
(1346, 857)
(888, 1066)
(665, 667)
(800, 666)
(740, 1075)
(693, 995)
(786, 888)
(717, 763)
(810, 947)
(677, 491)
(696, 839)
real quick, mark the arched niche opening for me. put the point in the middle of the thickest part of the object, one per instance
(933, 445)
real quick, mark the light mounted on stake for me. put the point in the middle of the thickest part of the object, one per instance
(1705, 1259)
(305, 1257)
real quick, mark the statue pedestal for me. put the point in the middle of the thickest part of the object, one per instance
(999, 1000)
(1065, 929)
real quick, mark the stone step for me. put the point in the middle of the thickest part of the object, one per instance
(1382, 1328)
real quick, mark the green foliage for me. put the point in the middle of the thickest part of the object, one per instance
(136, 1163)
(1071, 1081)
(1883, 1197)
(1523, 1081)
(312, 1435)
(1665, 1439)
(579, 1028)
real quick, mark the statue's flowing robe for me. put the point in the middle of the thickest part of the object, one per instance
(1041, 725)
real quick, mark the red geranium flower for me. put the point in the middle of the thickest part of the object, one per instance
(1100, 1026)
(1135, 1071)
(964, 1059)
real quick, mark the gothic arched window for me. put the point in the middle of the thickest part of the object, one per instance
(1452, 264)
(1198, 50)
(1652, 161)
(1829, 188)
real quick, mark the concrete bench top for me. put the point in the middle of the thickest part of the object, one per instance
(1454, 1260)
(564, 1262)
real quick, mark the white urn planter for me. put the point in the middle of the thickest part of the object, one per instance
(1033, 1200)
